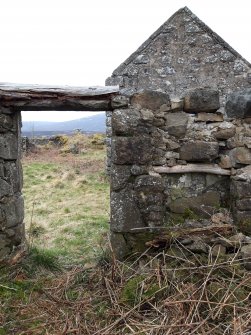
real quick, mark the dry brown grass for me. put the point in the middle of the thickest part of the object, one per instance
(90, 164)
(155, 295)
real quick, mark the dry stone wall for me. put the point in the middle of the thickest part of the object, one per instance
(175, 160)
(11, 200)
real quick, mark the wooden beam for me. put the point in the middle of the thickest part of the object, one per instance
(205, 233)
(193, 168)
(39, 97)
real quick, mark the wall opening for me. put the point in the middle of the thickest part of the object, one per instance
(65, 189)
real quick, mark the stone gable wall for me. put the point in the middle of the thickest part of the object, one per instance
(183, 54)
(175, 161)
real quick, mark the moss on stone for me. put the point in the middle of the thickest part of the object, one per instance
(177, 192)
(245, 226)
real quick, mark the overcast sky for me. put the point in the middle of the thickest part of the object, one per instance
(80, 42)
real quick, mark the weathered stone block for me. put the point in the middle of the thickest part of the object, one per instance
(209, 117)
(204, 204)
(177, 104)
(119, 176)
(199, 151)
(146, 200)
(150, 100)
(120, 101)
(125, 214)
(8, 146)
(243, 174)
(4, 252)
(218, 250)
(13, 211)
(171, 162)
(171, 145)
(225, 162)
(108, 133)
(243, 205)
(224, 134)
(119, 245)
(108, 121)
(240, 155)
(131, 150)
(137, 170)
(176, 123)
(149, 183)
(5, 189)
(201, 100)
(13, 175)
(19, 236)
(147, 115)
(4, 241)
(172, 154)
(240, 189)
(234, 142)
(141, 59)
(238, 104)
(155, 216)
(125, 121)
(6, 123)
(158, 122)
(247, 120)
(198, 246)
(246, 256)
(243, 221)
(158, 158)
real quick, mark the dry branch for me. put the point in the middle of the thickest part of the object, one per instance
(207, 232)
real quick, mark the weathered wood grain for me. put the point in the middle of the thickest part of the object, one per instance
(191, 168)
(205, 233)
(39, 97)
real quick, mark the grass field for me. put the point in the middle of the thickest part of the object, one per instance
(67, 201)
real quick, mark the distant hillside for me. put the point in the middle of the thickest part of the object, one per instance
(95, 123)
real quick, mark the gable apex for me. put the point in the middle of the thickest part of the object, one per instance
(161, 30)
(214, 35)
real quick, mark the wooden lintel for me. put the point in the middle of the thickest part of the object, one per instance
(39, 97)
(193, 168)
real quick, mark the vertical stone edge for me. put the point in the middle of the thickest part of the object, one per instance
(12, 235)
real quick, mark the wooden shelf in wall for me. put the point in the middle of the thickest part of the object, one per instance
(193, 168)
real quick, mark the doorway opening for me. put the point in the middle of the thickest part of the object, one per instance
(66, 190)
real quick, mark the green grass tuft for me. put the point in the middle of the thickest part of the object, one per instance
(43, 258)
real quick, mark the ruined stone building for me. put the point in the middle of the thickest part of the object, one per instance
(179, 138)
